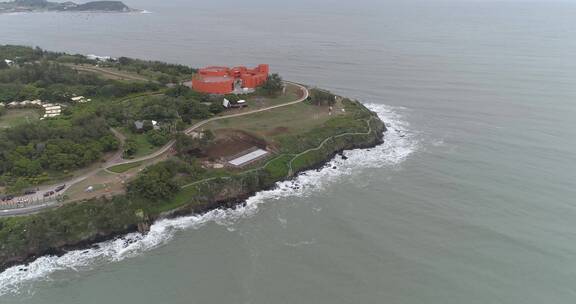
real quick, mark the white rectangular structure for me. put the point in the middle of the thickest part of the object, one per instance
(246, 158)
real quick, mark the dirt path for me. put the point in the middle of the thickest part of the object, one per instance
(114, 75)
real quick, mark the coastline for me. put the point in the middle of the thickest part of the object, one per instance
(20, 12)
(201, 206)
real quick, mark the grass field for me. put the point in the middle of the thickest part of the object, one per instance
(143, 147)
(292, 93)
(281, 121)
(124, 167)
(14, 117)
(110, 73)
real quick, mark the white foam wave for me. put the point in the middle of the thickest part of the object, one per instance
(399, 143)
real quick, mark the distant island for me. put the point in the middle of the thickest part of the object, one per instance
(21, 6)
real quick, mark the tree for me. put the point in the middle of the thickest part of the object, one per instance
(321, 97)
(273, 84)
(207, 137)
(233, 98)
(157, 138)
(147, 125)
(178, 91)
(189, 110)
(216, 108)
(3, 64)
(155, 183)
(18, 187)
(187, 147)
(124, 61)
(163, 79)
(130, 148)
(28, 92)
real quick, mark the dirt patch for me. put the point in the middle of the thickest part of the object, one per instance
(278, 131)
(300, 93)
(231, 142)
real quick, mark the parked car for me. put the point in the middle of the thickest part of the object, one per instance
(46, 194)
(60, 188)
(28, 192)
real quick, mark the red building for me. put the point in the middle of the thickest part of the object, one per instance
(223, 80)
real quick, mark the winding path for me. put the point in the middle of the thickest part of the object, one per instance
(117, 160)
(295, 156)
(197, 125)
(97, 70)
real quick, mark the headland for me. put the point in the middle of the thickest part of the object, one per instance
(134, 141)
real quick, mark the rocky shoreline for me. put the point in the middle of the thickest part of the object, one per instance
(193, 207)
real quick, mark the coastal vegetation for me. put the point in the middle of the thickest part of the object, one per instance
(33, 152)
(190, 173)
(160, 189)
(44, 6)
(14, 117)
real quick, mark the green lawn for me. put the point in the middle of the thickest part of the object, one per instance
(292, 93)
(14, 117)
(286, 120)
(124, 167)
(112, 73)
(143, 147)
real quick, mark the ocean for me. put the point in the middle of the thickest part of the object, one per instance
(471, 199)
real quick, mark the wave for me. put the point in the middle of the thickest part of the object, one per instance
(399, 143)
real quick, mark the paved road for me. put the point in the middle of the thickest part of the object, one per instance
(116, 159)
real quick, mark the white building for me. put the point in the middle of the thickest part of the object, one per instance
(99, 58)
(52, 110)
(80, 99)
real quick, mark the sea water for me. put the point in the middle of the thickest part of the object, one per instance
(469, 200)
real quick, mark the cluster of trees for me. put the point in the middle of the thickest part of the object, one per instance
(159, 182)
(168, 109)
(156, 138)
(171, 113)
(49, 80)
(24, 54)
(33, 153)
(30, 150)
(321, 97)
(21, 54)
(273, 85)
(180, 102)
(189, 148)
(3, 64)
(48, 72)
(162, 71)
(185, 93)
(155, 182)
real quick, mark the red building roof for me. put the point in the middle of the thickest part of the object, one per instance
(222, 80)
